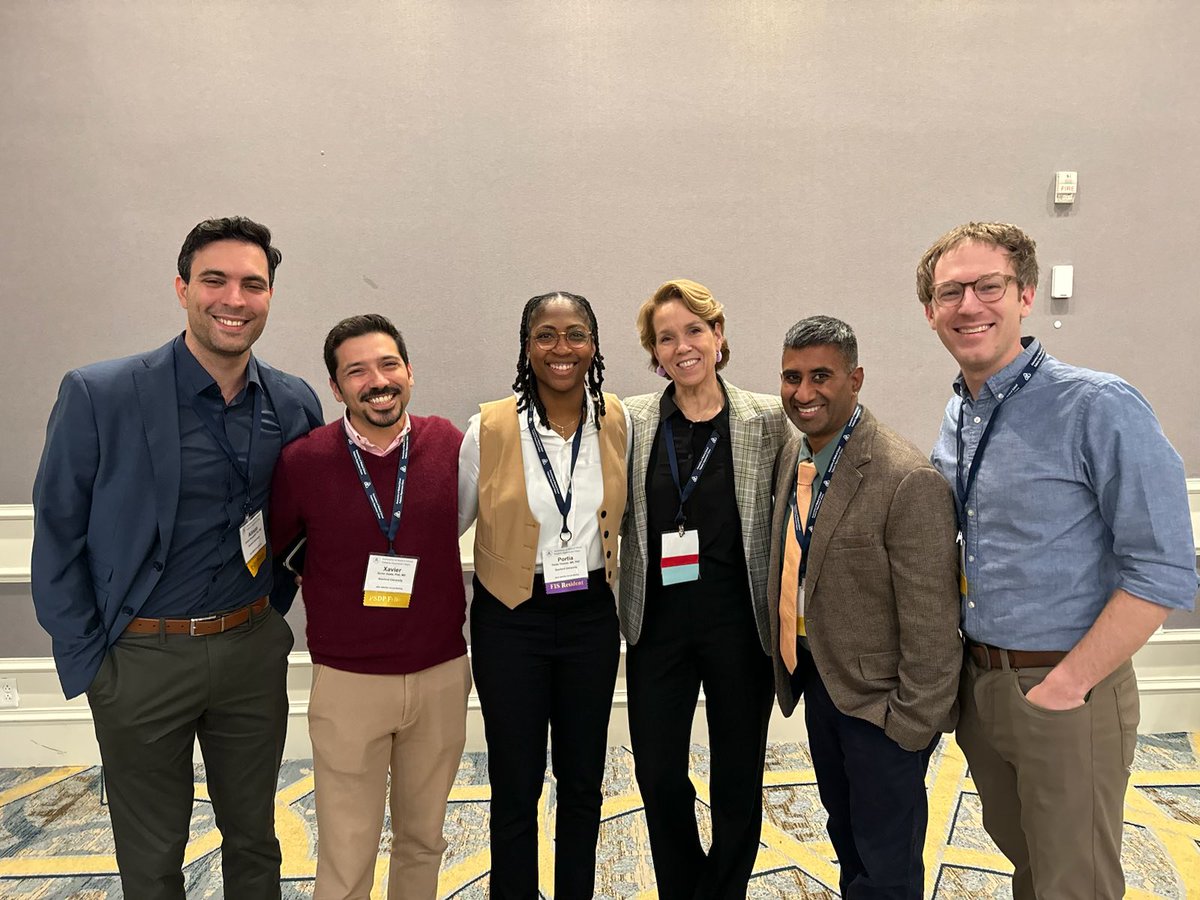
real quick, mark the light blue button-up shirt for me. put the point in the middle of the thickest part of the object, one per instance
(1079, 493)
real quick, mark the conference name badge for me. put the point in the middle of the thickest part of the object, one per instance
(253, 535)
(389, 581)
(801, 629)
(680, 557)
(565, 569)
(962, 568)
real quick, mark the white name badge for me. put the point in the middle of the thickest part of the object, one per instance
(253, 535)
(389, 580)
(565, 569)
(680, 557)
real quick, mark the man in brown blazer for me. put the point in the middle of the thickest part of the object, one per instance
(864, 609)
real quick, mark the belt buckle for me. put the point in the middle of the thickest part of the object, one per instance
(192, 623)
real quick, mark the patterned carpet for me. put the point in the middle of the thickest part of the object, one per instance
(56, 841)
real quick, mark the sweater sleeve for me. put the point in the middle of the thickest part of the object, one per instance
(286, 521)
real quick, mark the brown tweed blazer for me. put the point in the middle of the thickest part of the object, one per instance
(881, 589)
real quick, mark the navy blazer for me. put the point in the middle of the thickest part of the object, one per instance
(105, 498)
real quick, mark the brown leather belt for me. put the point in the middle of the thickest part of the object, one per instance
(990, 657)
(203, 626)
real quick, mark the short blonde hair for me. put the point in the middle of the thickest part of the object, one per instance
(697, 298)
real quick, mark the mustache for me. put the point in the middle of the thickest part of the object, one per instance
(378, 392)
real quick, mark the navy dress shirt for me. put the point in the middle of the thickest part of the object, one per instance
(204, 571)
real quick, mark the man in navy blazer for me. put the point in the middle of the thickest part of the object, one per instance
(152, 574)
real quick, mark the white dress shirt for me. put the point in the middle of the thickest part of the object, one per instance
(585, 501)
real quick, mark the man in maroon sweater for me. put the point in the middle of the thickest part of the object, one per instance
(383, 592)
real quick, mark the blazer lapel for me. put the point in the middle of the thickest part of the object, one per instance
(842, 488)
(745, 433)
(159, 403)
(289, 408)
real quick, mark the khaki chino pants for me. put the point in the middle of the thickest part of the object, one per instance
(1052, 783)
(363, 727)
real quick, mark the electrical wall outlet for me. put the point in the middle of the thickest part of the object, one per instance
(9, 698)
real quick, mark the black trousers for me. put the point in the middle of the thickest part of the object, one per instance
(152, 698)
(874, 792)
(550, 664)
(688, 641)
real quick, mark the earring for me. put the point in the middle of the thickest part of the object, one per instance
(719, 357)
(662, 373)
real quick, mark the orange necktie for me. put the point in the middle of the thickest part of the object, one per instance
(791, 625)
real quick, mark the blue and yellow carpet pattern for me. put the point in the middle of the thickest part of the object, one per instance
(55, 841)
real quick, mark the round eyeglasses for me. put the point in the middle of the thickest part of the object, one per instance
(988, 288)
(547, 338)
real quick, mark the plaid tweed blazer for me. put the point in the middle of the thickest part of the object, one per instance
(757, 430)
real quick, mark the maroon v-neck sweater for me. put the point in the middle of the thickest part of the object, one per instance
(317, 490)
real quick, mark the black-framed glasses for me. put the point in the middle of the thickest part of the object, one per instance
(547, 338)
(988, 288)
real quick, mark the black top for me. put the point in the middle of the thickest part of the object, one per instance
(711, 509)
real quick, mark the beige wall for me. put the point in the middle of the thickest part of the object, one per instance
(441, 162)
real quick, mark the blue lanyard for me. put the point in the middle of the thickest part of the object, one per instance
(685, 490)
(962, 487)
(563, 503)
(803, 538)
(389, 528)
(216, 427)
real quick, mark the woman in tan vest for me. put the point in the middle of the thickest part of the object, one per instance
(545, 473)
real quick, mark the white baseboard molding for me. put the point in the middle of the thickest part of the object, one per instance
(47, 730)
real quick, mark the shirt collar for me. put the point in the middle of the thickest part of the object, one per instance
(194, 380)
(823, 457)
(363, 444)
(667, 408)
(543, 431)
(1029, 344)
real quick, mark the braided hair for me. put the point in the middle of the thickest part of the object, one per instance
(526, 384)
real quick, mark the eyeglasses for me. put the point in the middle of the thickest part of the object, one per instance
(988, 288)
(547, 338)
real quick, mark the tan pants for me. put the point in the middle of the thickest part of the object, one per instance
(362, 727)
(1052, 783)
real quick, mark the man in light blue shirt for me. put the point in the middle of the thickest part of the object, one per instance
(1075, 543)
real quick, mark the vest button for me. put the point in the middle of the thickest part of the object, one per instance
(603, 514)
(608, 554)
(606, 534)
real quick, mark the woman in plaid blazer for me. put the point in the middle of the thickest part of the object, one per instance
(693, 592)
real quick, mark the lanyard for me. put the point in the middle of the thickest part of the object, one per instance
(804, 537)
(388, 528)
(685, 490)
(563, 503)
(216, 427)
(964, 487)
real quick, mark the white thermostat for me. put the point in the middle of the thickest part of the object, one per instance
(1062, 282)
